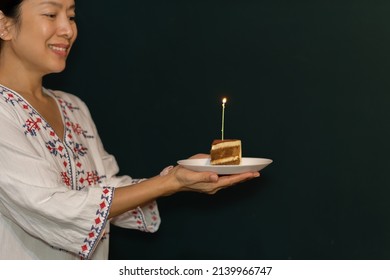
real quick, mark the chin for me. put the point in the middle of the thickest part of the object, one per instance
(58, 69)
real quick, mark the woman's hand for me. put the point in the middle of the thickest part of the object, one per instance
(199, 156)
(206, 182)
(173, 179)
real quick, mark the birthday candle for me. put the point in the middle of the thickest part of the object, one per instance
(223, 116)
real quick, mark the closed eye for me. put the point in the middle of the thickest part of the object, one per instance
(50, 15)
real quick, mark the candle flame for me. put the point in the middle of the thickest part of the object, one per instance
(224, 100)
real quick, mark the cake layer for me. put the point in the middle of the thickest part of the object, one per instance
(225, 152)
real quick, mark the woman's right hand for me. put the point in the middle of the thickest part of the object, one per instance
(175, 179)
(205, 182)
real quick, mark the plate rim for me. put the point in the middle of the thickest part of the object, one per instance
(225, 169)
(268, 161)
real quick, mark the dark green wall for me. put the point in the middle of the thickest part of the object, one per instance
(308, 86)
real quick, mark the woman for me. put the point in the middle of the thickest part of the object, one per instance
(58, 187)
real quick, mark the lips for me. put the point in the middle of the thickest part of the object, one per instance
(60, 49)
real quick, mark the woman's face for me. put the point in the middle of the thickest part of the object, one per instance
(45, 34)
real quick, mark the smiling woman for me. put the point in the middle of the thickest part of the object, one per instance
(57, 182)
(52, 32)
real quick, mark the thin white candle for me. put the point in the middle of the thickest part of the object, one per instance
(223, 116)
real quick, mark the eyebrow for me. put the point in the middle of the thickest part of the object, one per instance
(54, 3)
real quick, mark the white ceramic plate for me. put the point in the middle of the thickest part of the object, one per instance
(246, 165)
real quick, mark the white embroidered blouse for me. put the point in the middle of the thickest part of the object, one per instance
(55, 195)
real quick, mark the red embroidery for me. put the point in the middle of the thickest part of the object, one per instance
(65, 178)
(98, 226)
(77, 129)
(55, 148)
(92, 178)
(70, 155)
(32, 126)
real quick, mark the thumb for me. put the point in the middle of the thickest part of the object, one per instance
(204, 177)
(211, 177)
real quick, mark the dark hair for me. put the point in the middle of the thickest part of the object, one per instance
(10, 8)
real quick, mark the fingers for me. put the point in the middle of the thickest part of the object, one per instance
(205, 177)
(207, 182)
(231, 180)
(212, 183)
(237, 178)
(199, 156)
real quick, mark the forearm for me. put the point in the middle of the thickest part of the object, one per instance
(130, 197)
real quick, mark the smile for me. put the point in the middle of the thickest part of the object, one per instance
(58, 49)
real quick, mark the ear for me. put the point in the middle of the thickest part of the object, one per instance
(5, 23)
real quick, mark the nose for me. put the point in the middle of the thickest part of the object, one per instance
(67, 28)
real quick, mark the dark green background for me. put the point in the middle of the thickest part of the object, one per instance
(307, 85)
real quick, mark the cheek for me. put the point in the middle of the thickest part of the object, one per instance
(40, 33)
(45, 31)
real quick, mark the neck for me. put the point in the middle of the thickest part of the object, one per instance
(24, 87)
(19, 79)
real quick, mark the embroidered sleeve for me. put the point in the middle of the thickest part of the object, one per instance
(144, 218)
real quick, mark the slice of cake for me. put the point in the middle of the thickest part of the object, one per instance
(225, 152)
